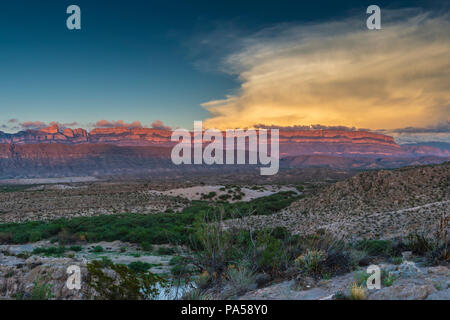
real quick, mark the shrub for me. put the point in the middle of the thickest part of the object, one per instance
(98, 249)
(50, 251)
(419, 244)
(376, 247)
(35, 236)
(5, 237)
(41, 291)
(177, 260)
(271, 254)
(65, 237)
(125, 284)
(337, 262)
(387, 278)
(180, 270)
(164, 251)
(203, 280)
(139, 266)
(146, 246)
(177, 228)
(210, 195)
(438, 255)
(241, 279)
(397, 260)
(311, 261)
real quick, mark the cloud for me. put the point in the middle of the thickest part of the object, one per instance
(64, 125)
(339, 73)
(435, 133)
(117, 124)
(439, 128)
(33, 125)
(36, 125)
(310, 127)
(158, 124)
(13, 121)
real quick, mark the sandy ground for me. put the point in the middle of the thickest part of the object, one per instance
(195, 193)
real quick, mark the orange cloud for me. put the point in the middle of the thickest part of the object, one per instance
(117, 124)
(158, 124)
(33, 125)
(340, 73)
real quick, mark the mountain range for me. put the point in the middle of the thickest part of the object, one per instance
(54, 151)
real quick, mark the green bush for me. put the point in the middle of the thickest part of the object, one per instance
(164, 251)
(146, 246)
(419, 244)
(139, 266)
(41, 291)
(98, 249)
(177, 228)
(50, 251)
(125, 285)
(311, 261)
(376, 247)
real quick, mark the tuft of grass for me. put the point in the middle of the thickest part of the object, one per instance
(196, 294)
(357, 292)
(241, 279)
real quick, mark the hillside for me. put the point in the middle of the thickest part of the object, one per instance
(376, 204)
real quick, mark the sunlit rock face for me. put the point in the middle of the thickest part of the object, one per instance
(58, 151)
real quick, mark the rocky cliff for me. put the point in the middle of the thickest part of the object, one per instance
(53, 152)
(292, 143)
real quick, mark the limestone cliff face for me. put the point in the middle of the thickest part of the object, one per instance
(292, 143)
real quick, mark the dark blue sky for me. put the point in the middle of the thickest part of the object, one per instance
(132, 60)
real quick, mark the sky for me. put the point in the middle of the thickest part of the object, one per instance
(229, 63)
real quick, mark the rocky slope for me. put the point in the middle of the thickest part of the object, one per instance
(377, 204)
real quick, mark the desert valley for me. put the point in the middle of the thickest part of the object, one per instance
(112, 198)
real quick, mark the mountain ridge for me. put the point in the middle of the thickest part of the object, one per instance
(292, 142)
